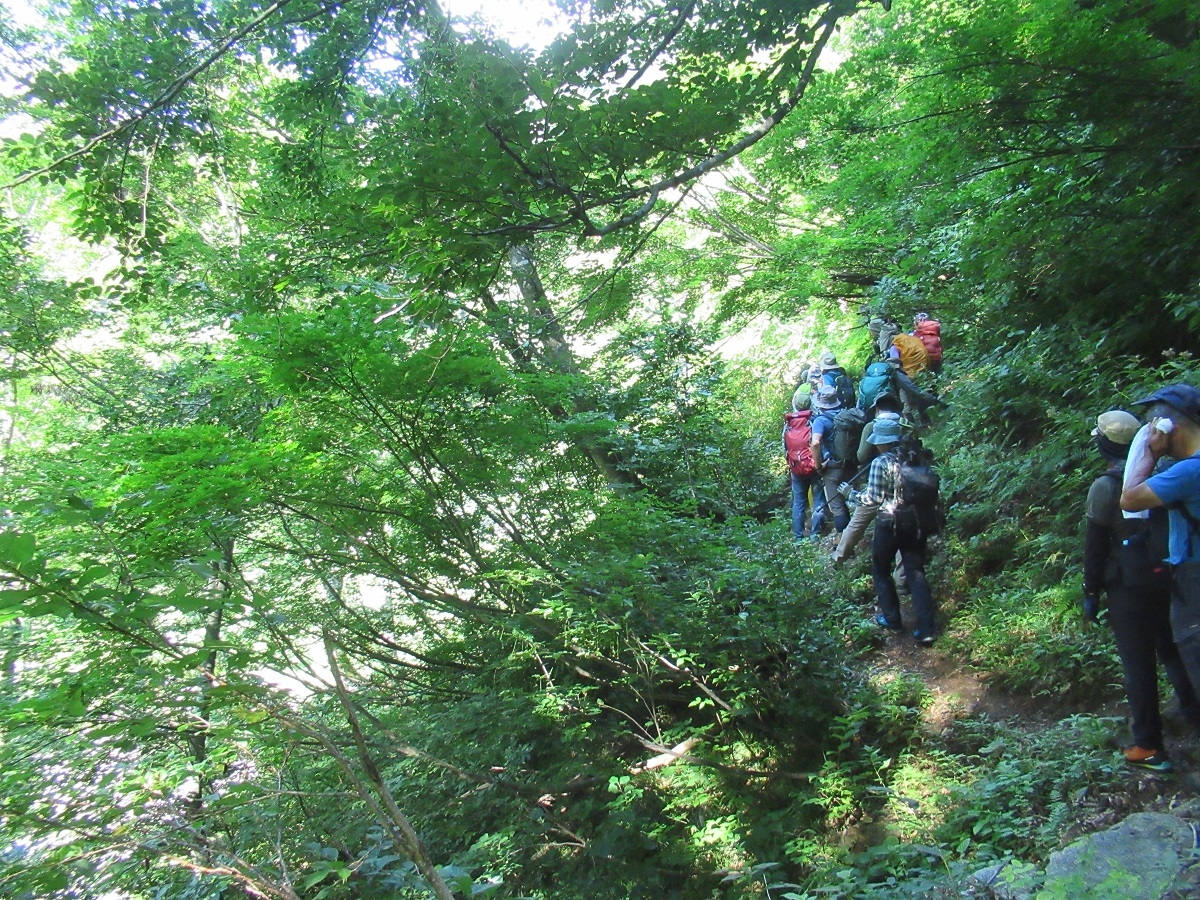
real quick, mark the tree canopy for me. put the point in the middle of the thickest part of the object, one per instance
(392, 499)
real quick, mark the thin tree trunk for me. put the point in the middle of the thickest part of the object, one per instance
(558, 357)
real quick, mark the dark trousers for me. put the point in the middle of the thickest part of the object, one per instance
(1141, 623)
(912, 560)
(1185, 617)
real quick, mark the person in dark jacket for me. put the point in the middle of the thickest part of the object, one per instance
(1138, 603)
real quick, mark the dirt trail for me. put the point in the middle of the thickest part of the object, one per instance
(959, 692)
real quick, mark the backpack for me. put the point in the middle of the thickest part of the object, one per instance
(1143, 549)
(878, 380)
(844, 436)
(914, 358)
(840, 382)
(1142, 546)
(882, 332)
(929, 333)
(797, 443)
(919, 511)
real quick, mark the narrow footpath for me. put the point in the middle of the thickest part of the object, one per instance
(959, 692)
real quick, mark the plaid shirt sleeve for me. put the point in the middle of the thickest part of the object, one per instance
(881, 481)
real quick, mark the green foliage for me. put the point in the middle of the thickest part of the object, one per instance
(1036, 643)
(409, 465)
(935, 811)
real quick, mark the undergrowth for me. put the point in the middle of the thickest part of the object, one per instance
(919, 822)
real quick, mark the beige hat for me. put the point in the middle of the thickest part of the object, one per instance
(1117, 425)
(826, 398)
(829, 361)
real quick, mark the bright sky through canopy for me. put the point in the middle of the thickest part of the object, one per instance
(533, 23)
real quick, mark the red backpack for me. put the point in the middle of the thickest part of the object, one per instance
(930, 333)
(797, 442)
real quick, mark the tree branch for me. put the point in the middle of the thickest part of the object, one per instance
(173, 90)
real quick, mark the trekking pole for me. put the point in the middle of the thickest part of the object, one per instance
(859, 474)
(844, 487)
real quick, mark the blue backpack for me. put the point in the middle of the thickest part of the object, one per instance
(878, 380)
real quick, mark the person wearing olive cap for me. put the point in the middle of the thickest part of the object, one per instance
(1139, 596)
(1174, 430)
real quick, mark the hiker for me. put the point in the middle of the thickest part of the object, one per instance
(882, 330)
(1174, 430)
(802, 397)
(833, 375)
(797, 448)
(905, 494)
(879, 379)
(907, 356)
(887, 406)
(917, 402)
(829, 449)
(1138, 594)
(909, 353)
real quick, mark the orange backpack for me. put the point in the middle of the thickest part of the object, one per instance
(930, 333)
(914, 358)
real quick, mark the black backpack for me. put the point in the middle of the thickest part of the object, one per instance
(1142, 546)
(840, 382)
(844, 436)
(919, 510)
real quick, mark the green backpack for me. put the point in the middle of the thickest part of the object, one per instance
(843, 437)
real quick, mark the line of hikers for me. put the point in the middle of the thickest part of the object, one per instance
(1141, 565)
(834, 429)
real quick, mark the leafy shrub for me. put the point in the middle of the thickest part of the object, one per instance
(1035, 643)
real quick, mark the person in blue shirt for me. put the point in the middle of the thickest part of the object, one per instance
(1174, 416)
(833, 471)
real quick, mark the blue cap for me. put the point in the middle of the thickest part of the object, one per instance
(1182, 397)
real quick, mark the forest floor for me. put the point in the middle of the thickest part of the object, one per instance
(959, 691)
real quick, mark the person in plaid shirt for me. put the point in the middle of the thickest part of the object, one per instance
(883, 491)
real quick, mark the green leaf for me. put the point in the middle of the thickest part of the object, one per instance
(16, 549)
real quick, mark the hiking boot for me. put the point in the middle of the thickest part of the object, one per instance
(1154, 760)
(923, 638)
(884, 622)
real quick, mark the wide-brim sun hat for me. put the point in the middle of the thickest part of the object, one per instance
(829, 361)
(826, 398)
(886, 431)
